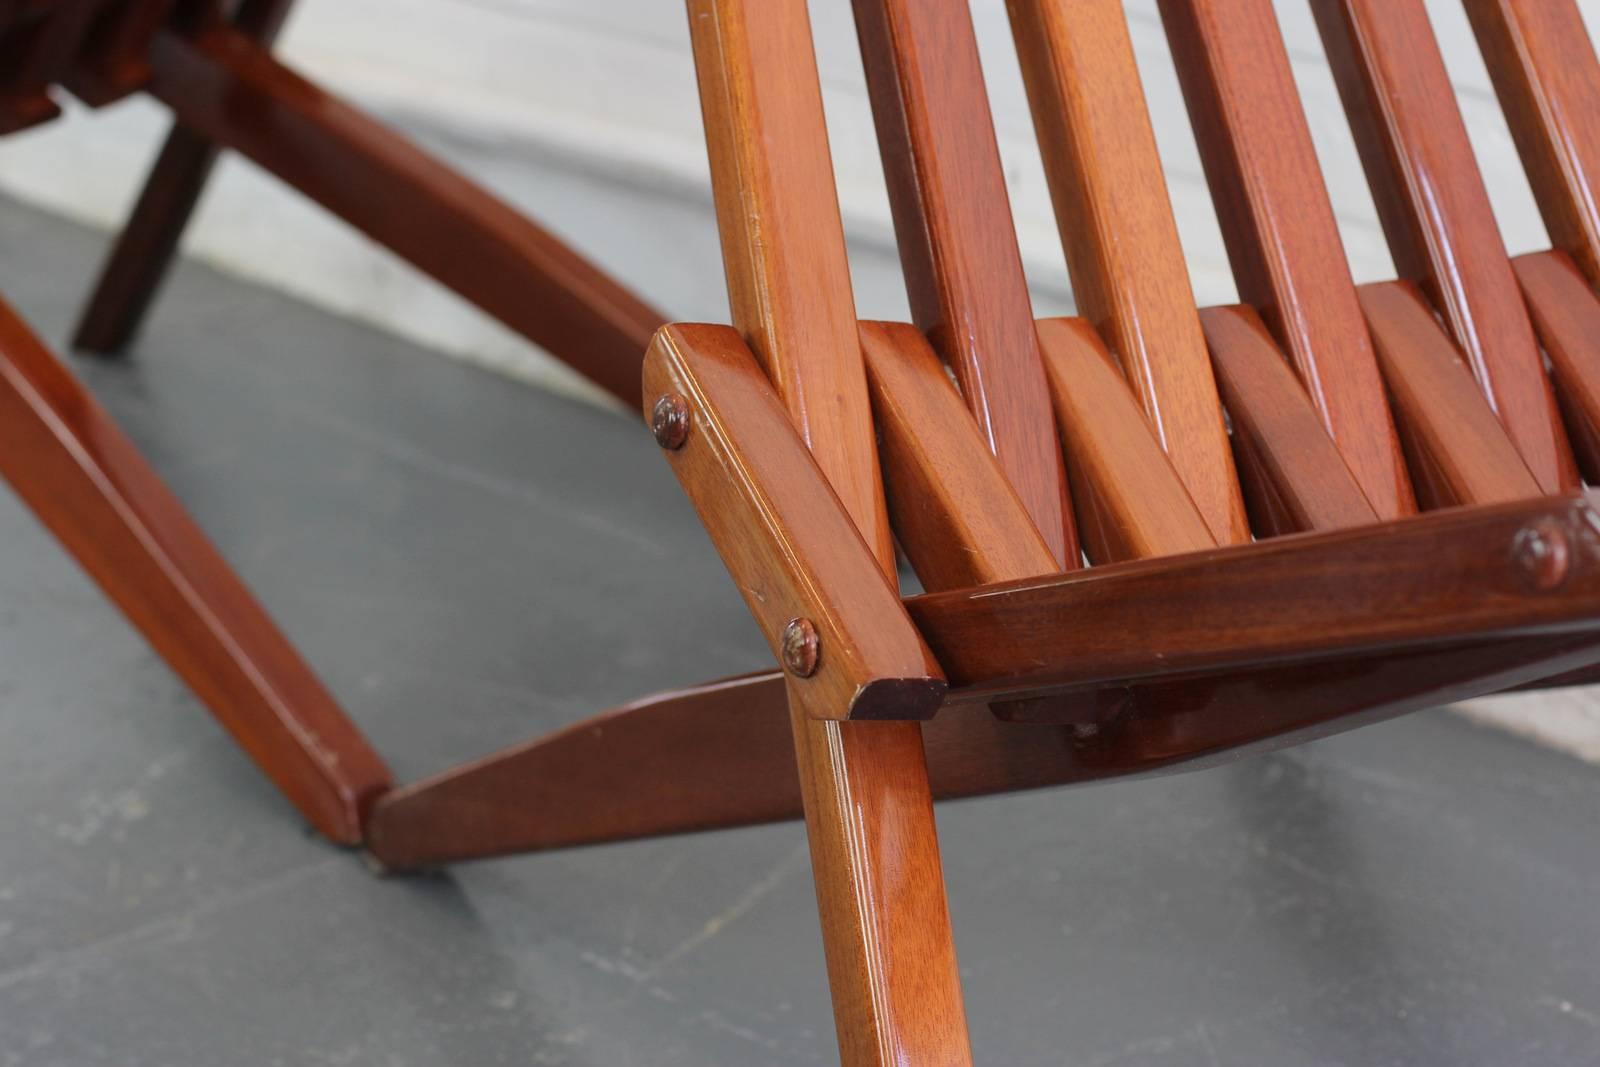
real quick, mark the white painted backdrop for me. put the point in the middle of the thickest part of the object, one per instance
(584, 113)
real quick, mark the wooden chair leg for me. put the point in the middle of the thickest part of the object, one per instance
(89, 486)
(148, 243)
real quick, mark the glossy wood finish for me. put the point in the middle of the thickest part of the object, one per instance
(1545, 72)
(1459, 453)
(226, 88)
(957, 243)
(715, 755)
(649, 768)
(1128, 273)
(953, 511)
(1436, 212)
(782, 533)
(1457, 575)
(869, 812)
(1283, 243)
(148, 243)
(87, 484)
(1566, 314)
(1130, 502)
(1294, 476)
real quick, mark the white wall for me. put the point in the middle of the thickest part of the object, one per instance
(584, 112)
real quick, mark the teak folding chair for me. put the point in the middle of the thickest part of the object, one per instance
(1153, 537)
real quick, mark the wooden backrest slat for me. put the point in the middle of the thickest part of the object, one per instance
(1278, 224)
(782, 238)
(957, 241)
(1436, 211)
(1544, 69)
(1128, 272)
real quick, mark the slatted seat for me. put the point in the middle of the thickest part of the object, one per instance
(1152, 536)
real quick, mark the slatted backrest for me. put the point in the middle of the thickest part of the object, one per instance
(1278, 224)
(1436, 211)
(1128, 273)
(953, 222)
(1544, 69)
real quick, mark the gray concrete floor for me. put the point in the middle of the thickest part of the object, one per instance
(468, 563)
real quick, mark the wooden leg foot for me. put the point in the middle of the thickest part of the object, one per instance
(89, 486)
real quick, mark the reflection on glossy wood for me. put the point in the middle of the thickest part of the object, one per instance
(954, 513)
(1544, 69)
(226, 88)
(785, 538)
(645, 769)
(1437, 215)
(1566, 313)
(869, 813)
(1128, 273)
(1282, 240)
(1294, 476)
(1455, 575)
(1130, 501)
(957, 242)
(1459, 453)
(88, 485)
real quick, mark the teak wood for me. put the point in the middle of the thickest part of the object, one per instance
(1436, 213)
(869, 811)
(1314, 417)
(953, 223)
(1278, 225)
(1128, 271)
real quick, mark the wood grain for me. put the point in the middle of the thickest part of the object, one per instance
(1458, 452)
(957, 241)
(1566, 313)
(1130, 502)
(1294, 476)
(1436, 212)
(1128, 273)
(87, 483)
(721, 754)
(954, 513)
(869, 812)
(1454, 575)
(1544, 69)
(784, 536)
(1278, 224)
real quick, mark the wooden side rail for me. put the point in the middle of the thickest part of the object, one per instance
(1174, 666)
(1452, 576)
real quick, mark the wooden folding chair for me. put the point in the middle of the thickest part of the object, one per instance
(1153, 537)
